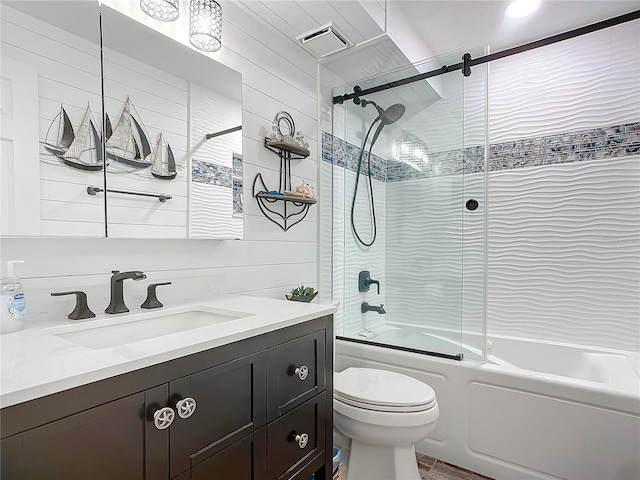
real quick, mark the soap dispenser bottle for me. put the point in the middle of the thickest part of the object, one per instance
(13, 306)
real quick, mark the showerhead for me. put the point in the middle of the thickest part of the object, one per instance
(392, 114)
(388, 116)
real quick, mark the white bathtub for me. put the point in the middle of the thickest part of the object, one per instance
(534, 410)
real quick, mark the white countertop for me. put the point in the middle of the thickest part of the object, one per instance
(36, 362)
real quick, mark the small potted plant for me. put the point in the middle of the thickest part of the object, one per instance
(302, 294)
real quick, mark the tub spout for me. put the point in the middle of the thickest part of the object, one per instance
(371, 308)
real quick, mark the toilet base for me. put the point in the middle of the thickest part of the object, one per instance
(382, 462)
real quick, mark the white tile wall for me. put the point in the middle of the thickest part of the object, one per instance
(277, 75)
(564, 240)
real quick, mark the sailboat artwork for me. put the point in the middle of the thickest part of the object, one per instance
(122, 145)
(77, 149)
(127, 144)
(65, 134)
(164, 164)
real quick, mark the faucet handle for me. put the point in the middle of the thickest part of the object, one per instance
(82, 309)
(152, 300)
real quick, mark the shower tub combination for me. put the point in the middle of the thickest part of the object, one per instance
(538, 410)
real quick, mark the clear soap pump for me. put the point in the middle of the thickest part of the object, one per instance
(13, 306)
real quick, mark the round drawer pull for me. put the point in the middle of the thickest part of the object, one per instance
(302, 372)
(186, 407)
(163, 418)
(302, 440)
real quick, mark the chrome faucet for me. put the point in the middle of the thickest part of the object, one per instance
(370, 308)
(116, 304)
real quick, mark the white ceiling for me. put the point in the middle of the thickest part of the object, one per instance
(444, 26)
(440, 26)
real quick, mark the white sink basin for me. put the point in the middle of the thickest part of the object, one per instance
(120, 330)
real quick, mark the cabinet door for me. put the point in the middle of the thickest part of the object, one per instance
(223, 405)
(243, 460)
(295, 372)
(105, 442)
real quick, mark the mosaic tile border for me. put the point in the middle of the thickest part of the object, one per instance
(210, 173)
(345, 154)
(236, 160)
(238, 198)
(592, 144)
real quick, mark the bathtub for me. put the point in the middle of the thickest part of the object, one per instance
(533, 410)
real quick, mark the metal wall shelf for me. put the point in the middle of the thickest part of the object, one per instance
(283, 210)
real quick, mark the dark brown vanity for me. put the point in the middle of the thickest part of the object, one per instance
(256, 409)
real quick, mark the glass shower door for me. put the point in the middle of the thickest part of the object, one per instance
(399, 211)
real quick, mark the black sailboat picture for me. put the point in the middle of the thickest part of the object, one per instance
(80, 149)
(65, 134)
(122, 145)
(164, 164)
(108, 129)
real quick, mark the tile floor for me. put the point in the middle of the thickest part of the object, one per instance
(433, 469)
(430, 469)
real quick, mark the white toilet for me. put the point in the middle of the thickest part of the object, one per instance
(385, 414)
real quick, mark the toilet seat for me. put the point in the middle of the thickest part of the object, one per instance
(382, 391)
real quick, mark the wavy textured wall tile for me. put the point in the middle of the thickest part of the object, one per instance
(564, 196)
(579, 84)
(564, 253)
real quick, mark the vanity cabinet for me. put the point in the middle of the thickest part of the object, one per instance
(243, 410)
(105, 442)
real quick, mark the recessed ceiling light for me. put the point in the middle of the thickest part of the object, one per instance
(521, 8)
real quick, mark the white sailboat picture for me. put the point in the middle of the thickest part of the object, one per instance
(164, 164)
(128, 144)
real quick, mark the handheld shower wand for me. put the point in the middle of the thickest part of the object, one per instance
(386, 117)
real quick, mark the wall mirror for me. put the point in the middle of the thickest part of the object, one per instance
(50, 69)
(157, 155)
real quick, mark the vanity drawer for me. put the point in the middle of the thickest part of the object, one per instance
(295, 373)
(296, 438)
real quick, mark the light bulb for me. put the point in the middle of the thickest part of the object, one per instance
(521, 8)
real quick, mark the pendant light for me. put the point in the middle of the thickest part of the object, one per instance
(205, 25)
(163, 10)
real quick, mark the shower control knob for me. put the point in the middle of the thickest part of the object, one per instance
(302, 372)
(472, 204)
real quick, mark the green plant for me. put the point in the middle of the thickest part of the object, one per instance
(301, 291)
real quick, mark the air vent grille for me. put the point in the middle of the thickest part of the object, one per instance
(323, 41)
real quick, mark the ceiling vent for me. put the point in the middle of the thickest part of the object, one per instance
(323, 41)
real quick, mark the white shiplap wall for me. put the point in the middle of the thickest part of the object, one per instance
(276, 75)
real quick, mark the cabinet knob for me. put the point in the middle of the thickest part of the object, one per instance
(186, 407)
(302, 372)
(302, 440)
(163, 418)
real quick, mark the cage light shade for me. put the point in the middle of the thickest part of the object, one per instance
(163, 10)
(205, 25)
(412, 151)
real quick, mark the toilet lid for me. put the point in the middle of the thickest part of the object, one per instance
(382, 390)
